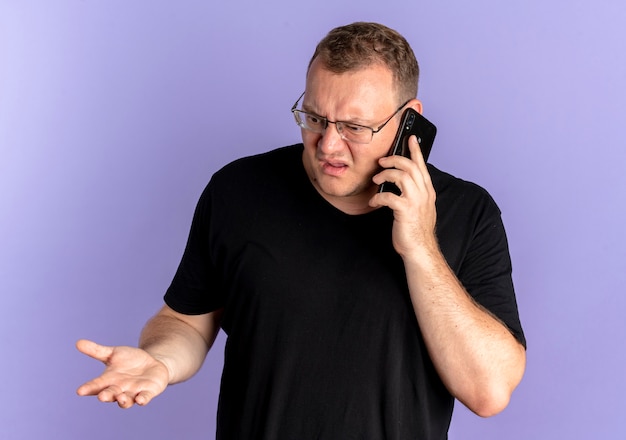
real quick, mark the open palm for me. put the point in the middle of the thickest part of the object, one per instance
(131, 375)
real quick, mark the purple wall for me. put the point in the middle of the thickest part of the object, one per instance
(113, 116)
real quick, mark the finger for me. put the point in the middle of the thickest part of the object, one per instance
(416, 151)
(418, 157)
(88, 389)
(392, 175)
(394, 161)
(95, 386)
(421, 175)
(114, 393)
(385, 198)
(143, 398)
(108, 394)
(93, 350)
(125, 400)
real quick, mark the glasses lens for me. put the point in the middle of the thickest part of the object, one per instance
(310, 121)
(355, 133)
(350, 132)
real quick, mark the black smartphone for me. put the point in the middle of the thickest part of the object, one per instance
(412, 123)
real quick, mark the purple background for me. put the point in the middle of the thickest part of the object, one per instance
(114, 115)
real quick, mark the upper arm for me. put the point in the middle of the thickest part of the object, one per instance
(206, 324)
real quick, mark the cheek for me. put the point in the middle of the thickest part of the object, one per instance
(366, 159)
(368, 155)
(382, 147)
(365, 163)
(310, 139)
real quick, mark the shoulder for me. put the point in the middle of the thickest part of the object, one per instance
(466, 216)
(248, 178)
(263, 164)
(461, 194)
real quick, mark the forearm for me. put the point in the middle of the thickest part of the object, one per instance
(477, 357)
(181, 346)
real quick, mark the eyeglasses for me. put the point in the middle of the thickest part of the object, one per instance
(356, 133)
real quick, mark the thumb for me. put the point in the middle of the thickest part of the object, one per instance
(96, 351)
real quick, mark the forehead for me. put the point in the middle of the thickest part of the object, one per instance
(363, 93)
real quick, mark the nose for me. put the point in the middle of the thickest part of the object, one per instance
(330, 140)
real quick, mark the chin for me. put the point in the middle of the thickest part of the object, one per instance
(345, 189)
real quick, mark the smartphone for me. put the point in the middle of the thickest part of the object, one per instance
(412, 123)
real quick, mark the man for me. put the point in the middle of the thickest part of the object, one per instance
(349, 313)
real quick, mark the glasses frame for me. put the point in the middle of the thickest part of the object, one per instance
(339, 127)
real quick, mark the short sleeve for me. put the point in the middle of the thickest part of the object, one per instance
(195, 288)
(486, 270)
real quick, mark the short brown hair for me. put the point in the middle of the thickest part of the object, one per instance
(359, 45)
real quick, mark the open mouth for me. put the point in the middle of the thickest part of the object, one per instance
(334, 168)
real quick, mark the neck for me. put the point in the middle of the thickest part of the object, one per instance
(351, 205)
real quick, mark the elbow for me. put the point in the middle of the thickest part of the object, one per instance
(492, 397)
(489, 403)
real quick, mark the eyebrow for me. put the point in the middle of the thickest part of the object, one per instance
(357, 121)
(308, 109)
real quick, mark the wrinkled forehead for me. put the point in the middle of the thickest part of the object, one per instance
(371, 80)
(360, 95)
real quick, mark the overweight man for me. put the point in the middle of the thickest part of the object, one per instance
(349, 313)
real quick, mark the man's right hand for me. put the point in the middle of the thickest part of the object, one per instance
(131, 375)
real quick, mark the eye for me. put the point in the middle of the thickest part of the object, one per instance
(355, 128)
(313, 120)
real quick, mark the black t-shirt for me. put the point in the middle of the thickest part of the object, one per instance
(323, 342)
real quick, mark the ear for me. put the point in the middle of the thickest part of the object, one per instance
(416, 105)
